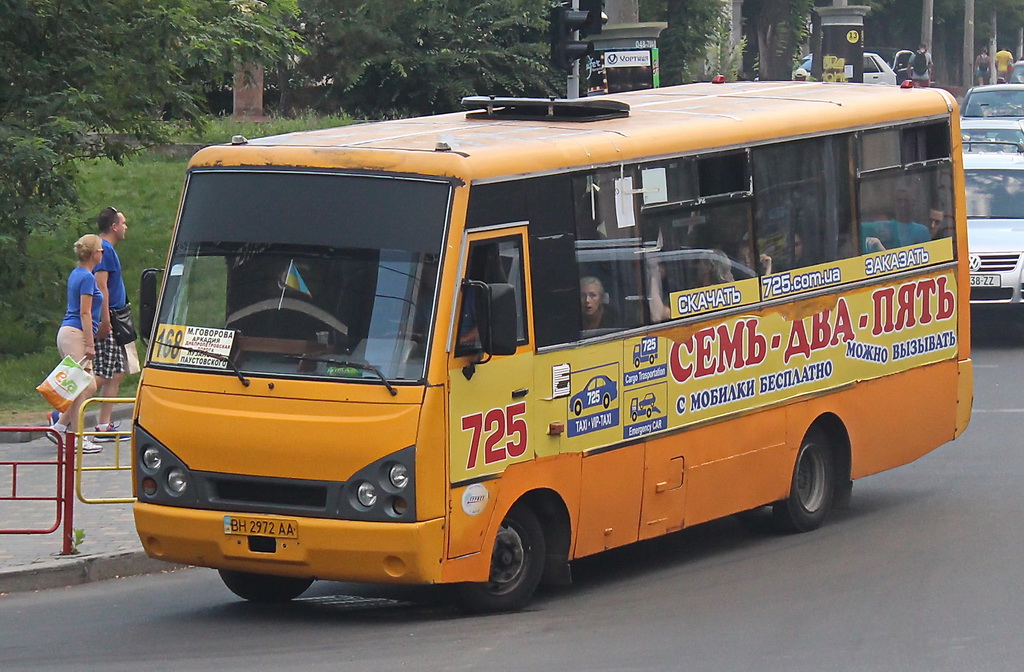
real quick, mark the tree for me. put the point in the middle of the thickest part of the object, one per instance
(780, 27)
(94, 78)
(683, 46)
(383, 58)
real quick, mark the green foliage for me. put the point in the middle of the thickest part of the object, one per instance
(683, 46)
(724, 58)
(221, 129)
(92, 78)
(781, 28)
(78, 536)
(389, 58)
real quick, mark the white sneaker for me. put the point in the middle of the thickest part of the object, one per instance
(89, 446)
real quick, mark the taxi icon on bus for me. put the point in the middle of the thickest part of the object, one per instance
(600, 391)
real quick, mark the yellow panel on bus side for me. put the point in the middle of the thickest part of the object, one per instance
(490, 430)
(610, 499)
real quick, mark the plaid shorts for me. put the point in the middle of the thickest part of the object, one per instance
(109, 358)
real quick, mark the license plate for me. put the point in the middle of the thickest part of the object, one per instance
(261, 527)
(978, 280)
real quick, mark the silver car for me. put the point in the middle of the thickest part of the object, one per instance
(994, 100)
(995, 229)
(992, 134)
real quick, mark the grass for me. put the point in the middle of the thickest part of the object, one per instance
(147, 189)
(221, 129)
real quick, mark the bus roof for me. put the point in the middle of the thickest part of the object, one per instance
(665, 121)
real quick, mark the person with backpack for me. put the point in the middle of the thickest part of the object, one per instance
(921, 66)
(982, 68)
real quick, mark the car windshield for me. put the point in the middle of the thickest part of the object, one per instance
(1007, 140)
(995, 103)
(995, 193)
(304, 274)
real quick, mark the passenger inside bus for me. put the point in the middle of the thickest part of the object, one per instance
(594, 304)
(898, 230)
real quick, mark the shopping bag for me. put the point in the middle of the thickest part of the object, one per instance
(131, 357)
(67, 380)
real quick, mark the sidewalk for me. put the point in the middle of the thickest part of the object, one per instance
(110, 548)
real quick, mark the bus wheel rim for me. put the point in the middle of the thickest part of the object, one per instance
(810, 479)
(509, 560)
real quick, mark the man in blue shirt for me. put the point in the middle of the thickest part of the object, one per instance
(899, 231)
(110, 364)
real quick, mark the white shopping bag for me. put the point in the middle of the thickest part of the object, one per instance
(67, 380)
(131, 356)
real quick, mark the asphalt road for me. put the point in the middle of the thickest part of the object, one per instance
(923, 572)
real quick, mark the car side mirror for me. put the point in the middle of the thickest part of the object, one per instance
(149, 282)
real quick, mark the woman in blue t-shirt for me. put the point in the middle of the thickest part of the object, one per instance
(77, 334)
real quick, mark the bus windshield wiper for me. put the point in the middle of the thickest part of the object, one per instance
(213, 355)
(362, 366)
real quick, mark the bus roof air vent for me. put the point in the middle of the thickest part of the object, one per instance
(552, 109)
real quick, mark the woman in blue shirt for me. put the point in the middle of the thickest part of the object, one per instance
(77, 334)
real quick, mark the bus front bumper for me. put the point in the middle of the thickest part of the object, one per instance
(336, 550)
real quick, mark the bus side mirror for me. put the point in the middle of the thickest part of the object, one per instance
(494, 310)
(499, 334)
(148, 285)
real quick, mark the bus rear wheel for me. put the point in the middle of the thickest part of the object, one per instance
(263, 587)
(813, 486)
(517, 564)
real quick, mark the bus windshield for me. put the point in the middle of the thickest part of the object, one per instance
(347, 293)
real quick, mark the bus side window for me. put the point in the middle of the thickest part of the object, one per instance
(803, 194)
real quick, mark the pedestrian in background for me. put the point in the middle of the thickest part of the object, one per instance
(76, 336)
(111, 362)
(1004, 65)
(921, 66)
(982, 68)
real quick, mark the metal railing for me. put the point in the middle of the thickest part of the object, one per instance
(120, 438)
(69, 470)
(62, 498)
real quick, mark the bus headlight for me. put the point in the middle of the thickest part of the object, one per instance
(176, 481)
(366, 494)
(151, 459)
(398, 474)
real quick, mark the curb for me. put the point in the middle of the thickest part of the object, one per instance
(79, 569)
(122, 412)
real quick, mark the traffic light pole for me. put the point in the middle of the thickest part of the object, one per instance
(572, 84)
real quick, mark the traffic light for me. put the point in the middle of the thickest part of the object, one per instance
(565, 21)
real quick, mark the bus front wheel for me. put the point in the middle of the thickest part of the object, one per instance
(517, 564)
(263, 587)
(813, 486)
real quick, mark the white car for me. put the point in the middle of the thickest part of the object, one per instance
(992, 134)
(995, 230)
(876, 70)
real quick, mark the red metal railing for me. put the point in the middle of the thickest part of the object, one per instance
(63, 497)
